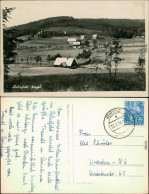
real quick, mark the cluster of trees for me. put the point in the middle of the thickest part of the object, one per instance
(88, 49)
(126, 33)
(49, 34)
(34, 27)
(95, 44)
(33, 47)
(10, 42)
(112, 51)
(52, 58)
(86, 53)
(140, 67)
(38, 59)
(122, 28)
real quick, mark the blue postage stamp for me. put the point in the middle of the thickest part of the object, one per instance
(136, 108)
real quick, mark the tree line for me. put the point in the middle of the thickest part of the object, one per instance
(117, 28)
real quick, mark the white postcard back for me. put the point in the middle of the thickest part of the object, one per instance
(92, 145)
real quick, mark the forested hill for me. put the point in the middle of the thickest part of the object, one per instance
(108, 27)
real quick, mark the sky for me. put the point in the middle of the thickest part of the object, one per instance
(27, 11)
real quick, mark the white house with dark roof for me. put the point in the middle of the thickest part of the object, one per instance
(65, 62)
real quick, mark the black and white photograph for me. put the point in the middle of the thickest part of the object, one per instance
(74, 46)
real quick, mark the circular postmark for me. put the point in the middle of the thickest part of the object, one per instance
(119, 123)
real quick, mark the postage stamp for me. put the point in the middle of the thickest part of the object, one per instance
(116, 125)
(137, 109)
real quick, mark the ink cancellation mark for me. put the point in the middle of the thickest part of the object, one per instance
(117, 124)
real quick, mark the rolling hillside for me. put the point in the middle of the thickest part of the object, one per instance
(120, 28)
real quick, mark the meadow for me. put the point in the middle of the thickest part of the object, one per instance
(130, 56)
(75, 82)
(85, 78)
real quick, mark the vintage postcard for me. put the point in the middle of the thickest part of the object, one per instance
(74, 48)
(62, 145)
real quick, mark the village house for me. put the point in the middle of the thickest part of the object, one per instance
(82, 37)
(71, 40)
(95, 36)
(76, 44)
(38, 34)
(65, 62)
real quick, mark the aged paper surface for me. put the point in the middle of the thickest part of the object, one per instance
(74, 145)
(61, 130)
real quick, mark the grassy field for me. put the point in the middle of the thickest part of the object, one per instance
(47, 41)
(75, 82)
(44, 54)
(130, 56)
(59, 45)
(132, 40)
(81, 79)
(38, 71)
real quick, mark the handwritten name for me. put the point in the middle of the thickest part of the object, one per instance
(96, 142)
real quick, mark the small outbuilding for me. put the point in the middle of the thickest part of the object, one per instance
(65, 62)
(95, 36)
(38, 34)
(82, 37)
